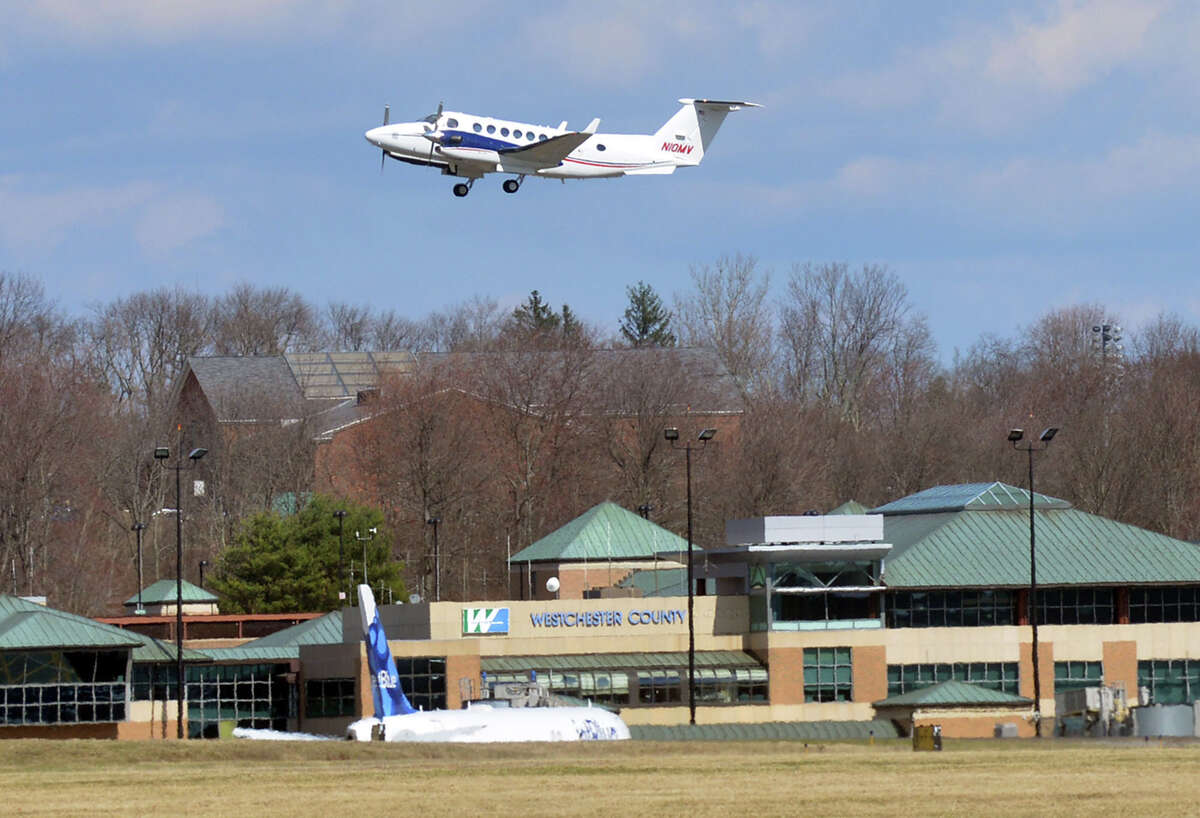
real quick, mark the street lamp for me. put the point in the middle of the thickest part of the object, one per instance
(163, 453)
(203, 565)
(1015, 436)
(371, 532)
(138, 528)
(344, 591)
(644, 509)
(437, 560)
(672, 434)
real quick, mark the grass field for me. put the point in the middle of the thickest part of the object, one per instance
(1054, 777)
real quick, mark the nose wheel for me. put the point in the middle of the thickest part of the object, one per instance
(512, 185)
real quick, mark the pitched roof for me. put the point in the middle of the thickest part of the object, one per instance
(324, 375)
(953, 692)
(163, 593)
(248, 387)
(850, 507)
(977, 535)
(603, 532)
(27, 625)
(323, 630)
(157, 651)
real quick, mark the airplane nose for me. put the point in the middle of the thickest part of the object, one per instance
(372, 137)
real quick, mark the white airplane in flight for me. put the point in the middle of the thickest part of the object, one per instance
(396, 720)
(469, 146)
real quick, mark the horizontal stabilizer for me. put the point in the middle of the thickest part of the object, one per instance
(547, 154)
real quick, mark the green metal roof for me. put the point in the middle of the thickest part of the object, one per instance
(324, 630)
(163, 593)
(953, 693)
(27, 625)
(850, 507)
(603, 532)
(246, 653)
(614, 661)
(767, 731)
(155, 651)
(968, 497)
(981, 540)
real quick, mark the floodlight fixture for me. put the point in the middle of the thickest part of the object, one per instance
(1048, 434)
(707, 435)
(1015, 434)
(161, 453)
(671, 434)
(196, 454)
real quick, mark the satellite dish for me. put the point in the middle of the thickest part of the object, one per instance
(413, 599)
(552, 585)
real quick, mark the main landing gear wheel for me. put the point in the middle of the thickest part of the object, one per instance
(461, 190)
(511, 185)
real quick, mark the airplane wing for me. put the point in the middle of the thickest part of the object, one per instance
(547, 154)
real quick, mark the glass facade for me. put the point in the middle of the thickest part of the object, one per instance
(423, 679)
(1002, 676)
(328, 698)
(256, 695)
(1076, 606)
(1171, 681)
(63, 687)
(1072, 675)
(1171, 604)
(828, 676)
(950, 609)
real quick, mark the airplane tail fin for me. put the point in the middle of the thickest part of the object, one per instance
(689, 133)
(385, 681)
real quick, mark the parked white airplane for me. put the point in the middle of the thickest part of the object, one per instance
(396, 720)
(470, 146)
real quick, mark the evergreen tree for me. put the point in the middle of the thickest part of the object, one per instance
(285, 563)
(535, 315)
(647, 323)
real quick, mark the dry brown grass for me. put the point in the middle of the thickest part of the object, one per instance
(631, 778)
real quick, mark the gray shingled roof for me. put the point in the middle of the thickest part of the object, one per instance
(248, 387)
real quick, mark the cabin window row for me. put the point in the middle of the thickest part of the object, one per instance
(516, 133)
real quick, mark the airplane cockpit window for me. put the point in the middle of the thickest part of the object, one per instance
(517, 134)
(451, 123)
(491, 128)
(477, 127)
(504, 131)
(431, 119)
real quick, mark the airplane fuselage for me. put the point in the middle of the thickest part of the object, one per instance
(484, 723)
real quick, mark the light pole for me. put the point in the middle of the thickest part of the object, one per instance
(672, 434)
(162, 453)
(1014, 437)
(371, 532)
(138, 528)
(644, 509)
(437, 560)
(203, 565)
(344, 591)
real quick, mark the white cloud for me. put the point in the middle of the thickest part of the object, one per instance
(177, 220)
(1001, 73)
(33, 219)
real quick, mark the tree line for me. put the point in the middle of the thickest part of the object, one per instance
(841, 391)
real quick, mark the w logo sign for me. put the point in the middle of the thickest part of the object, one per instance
(485, 620)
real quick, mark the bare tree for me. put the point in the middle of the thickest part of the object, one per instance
(472, 326)
(348, 326)
(727, 311)
(272, 321)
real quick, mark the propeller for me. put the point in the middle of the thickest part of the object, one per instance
(431, 131)
(387, 112)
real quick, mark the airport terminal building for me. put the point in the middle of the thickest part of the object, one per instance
(915, 612)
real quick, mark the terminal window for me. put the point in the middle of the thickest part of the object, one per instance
(827, 675)
(950, 609)
(1171, 681)
(329, 698)
(253, 695)
(1171, 604)
(1076, 606)
(1002, 676)
(63, 687)
(424, 681)
(1072, 675)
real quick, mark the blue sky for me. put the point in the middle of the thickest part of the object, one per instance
(1001, 158)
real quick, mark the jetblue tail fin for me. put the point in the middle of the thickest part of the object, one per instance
(689, 133)
(385, 681)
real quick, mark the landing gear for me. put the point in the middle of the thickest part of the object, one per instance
(461, 190)
(512, 185)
